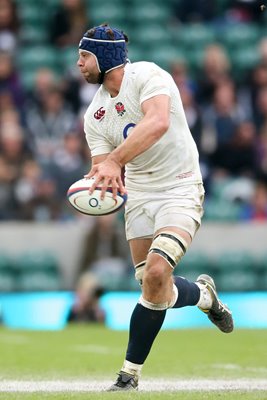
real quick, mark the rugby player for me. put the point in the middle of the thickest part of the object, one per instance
(136, 120)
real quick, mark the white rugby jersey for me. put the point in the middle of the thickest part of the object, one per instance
(171, 161)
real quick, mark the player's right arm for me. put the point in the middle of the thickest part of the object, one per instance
(99, 159)
(96, 160)
(111, 177)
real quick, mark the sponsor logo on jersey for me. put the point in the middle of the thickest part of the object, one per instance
(120, 108)
(126, 129)
(99, 114)
(184, 175)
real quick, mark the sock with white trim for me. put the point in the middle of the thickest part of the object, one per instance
(188, 292)
(145, 324)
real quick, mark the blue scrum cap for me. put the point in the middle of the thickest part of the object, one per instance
(108, 45)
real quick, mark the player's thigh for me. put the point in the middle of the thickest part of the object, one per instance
(174, 236)
(139, 249)
(179, 231)
(182, 212)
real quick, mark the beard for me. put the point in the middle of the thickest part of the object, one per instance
(97, 79)
(101, 77)
(92, 79)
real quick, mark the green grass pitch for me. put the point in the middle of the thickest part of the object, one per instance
(89, 352)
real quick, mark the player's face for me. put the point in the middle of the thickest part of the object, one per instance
(88, 67)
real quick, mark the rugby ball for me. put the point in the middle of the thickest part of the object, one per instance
(91, 204)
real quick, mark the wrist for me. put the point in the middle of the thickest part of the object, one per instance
(115, 159)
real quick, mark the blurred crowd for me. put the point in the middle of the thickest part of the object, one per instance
(42, 144)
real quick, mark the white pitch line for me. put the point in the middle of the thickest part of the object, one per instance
(149, 385)
(87, 348)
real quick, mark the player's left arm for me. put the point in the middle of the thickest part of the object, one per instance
(147, 132)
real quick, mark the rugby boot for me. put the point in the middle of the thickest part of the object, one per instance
(219, 314)
(124, 382)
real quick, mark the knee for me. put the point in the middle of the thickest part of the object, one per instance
(154, 275)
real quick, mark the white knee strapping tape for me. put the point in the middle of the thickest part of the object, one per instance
(174, 296)
(170, 246)
(152, 306)
(139, 271)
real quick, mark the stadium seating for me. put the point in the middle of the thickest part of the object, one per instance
(38, 281)
(135, 53)
(236, 271)
(164, 56)
(194, 36)
(145, 12)
(7, 276)
(151, 36)
(34, 57)
(68, 58)
(194, 59)
(30, 14)
(193, 264)
(262, 270)
(243, 61)
(107, 11)
(221, 210)
(32, 35)
(238, 36)
(38, 270)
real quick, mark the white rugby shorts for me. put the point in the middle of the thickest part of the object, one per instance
(147, 212)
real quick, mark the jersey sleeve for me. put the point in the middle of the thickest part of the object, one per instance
(97, 143)
(152, 82)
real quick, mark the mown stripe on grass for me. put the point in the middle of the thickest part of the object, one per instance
(148, 385)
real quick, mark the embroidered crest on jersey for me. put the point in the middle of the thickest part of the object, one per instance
(120, 108)
(99, 114)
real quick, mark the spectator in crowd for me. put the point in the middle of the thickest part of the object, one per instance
(69, 23)
(78, 93)
(244, 11)
(261, 149)
(9, 25)
(86, 307)
(69, 163)
(9, 79)
(237, 157)
(261, 115)
(13, 153)
(195, 10)
(44, 79)
(193, 115)
(105, 246)
(12, 144)
(262, 48)
(223, 116)
(179, 72)
(215, 71)
(7, 202)
(256, 210)
(35, 193)
(47, 123)
(257, 82)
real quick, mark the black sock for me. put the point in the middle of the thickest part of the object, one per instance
(144, 327)
(188, 292)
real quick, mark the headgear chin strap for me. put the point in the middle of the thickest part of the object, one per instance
(110, 52)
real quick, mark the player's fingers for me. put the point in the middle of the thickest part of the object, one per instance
(104, 187)
(95, 184)
(121, 187)
(114, 188)
(91, 173)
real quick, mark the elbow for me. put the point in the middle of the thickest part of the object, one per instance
(162, 125)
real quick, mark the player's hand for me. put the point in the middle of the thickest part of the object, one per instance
(107, 174)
